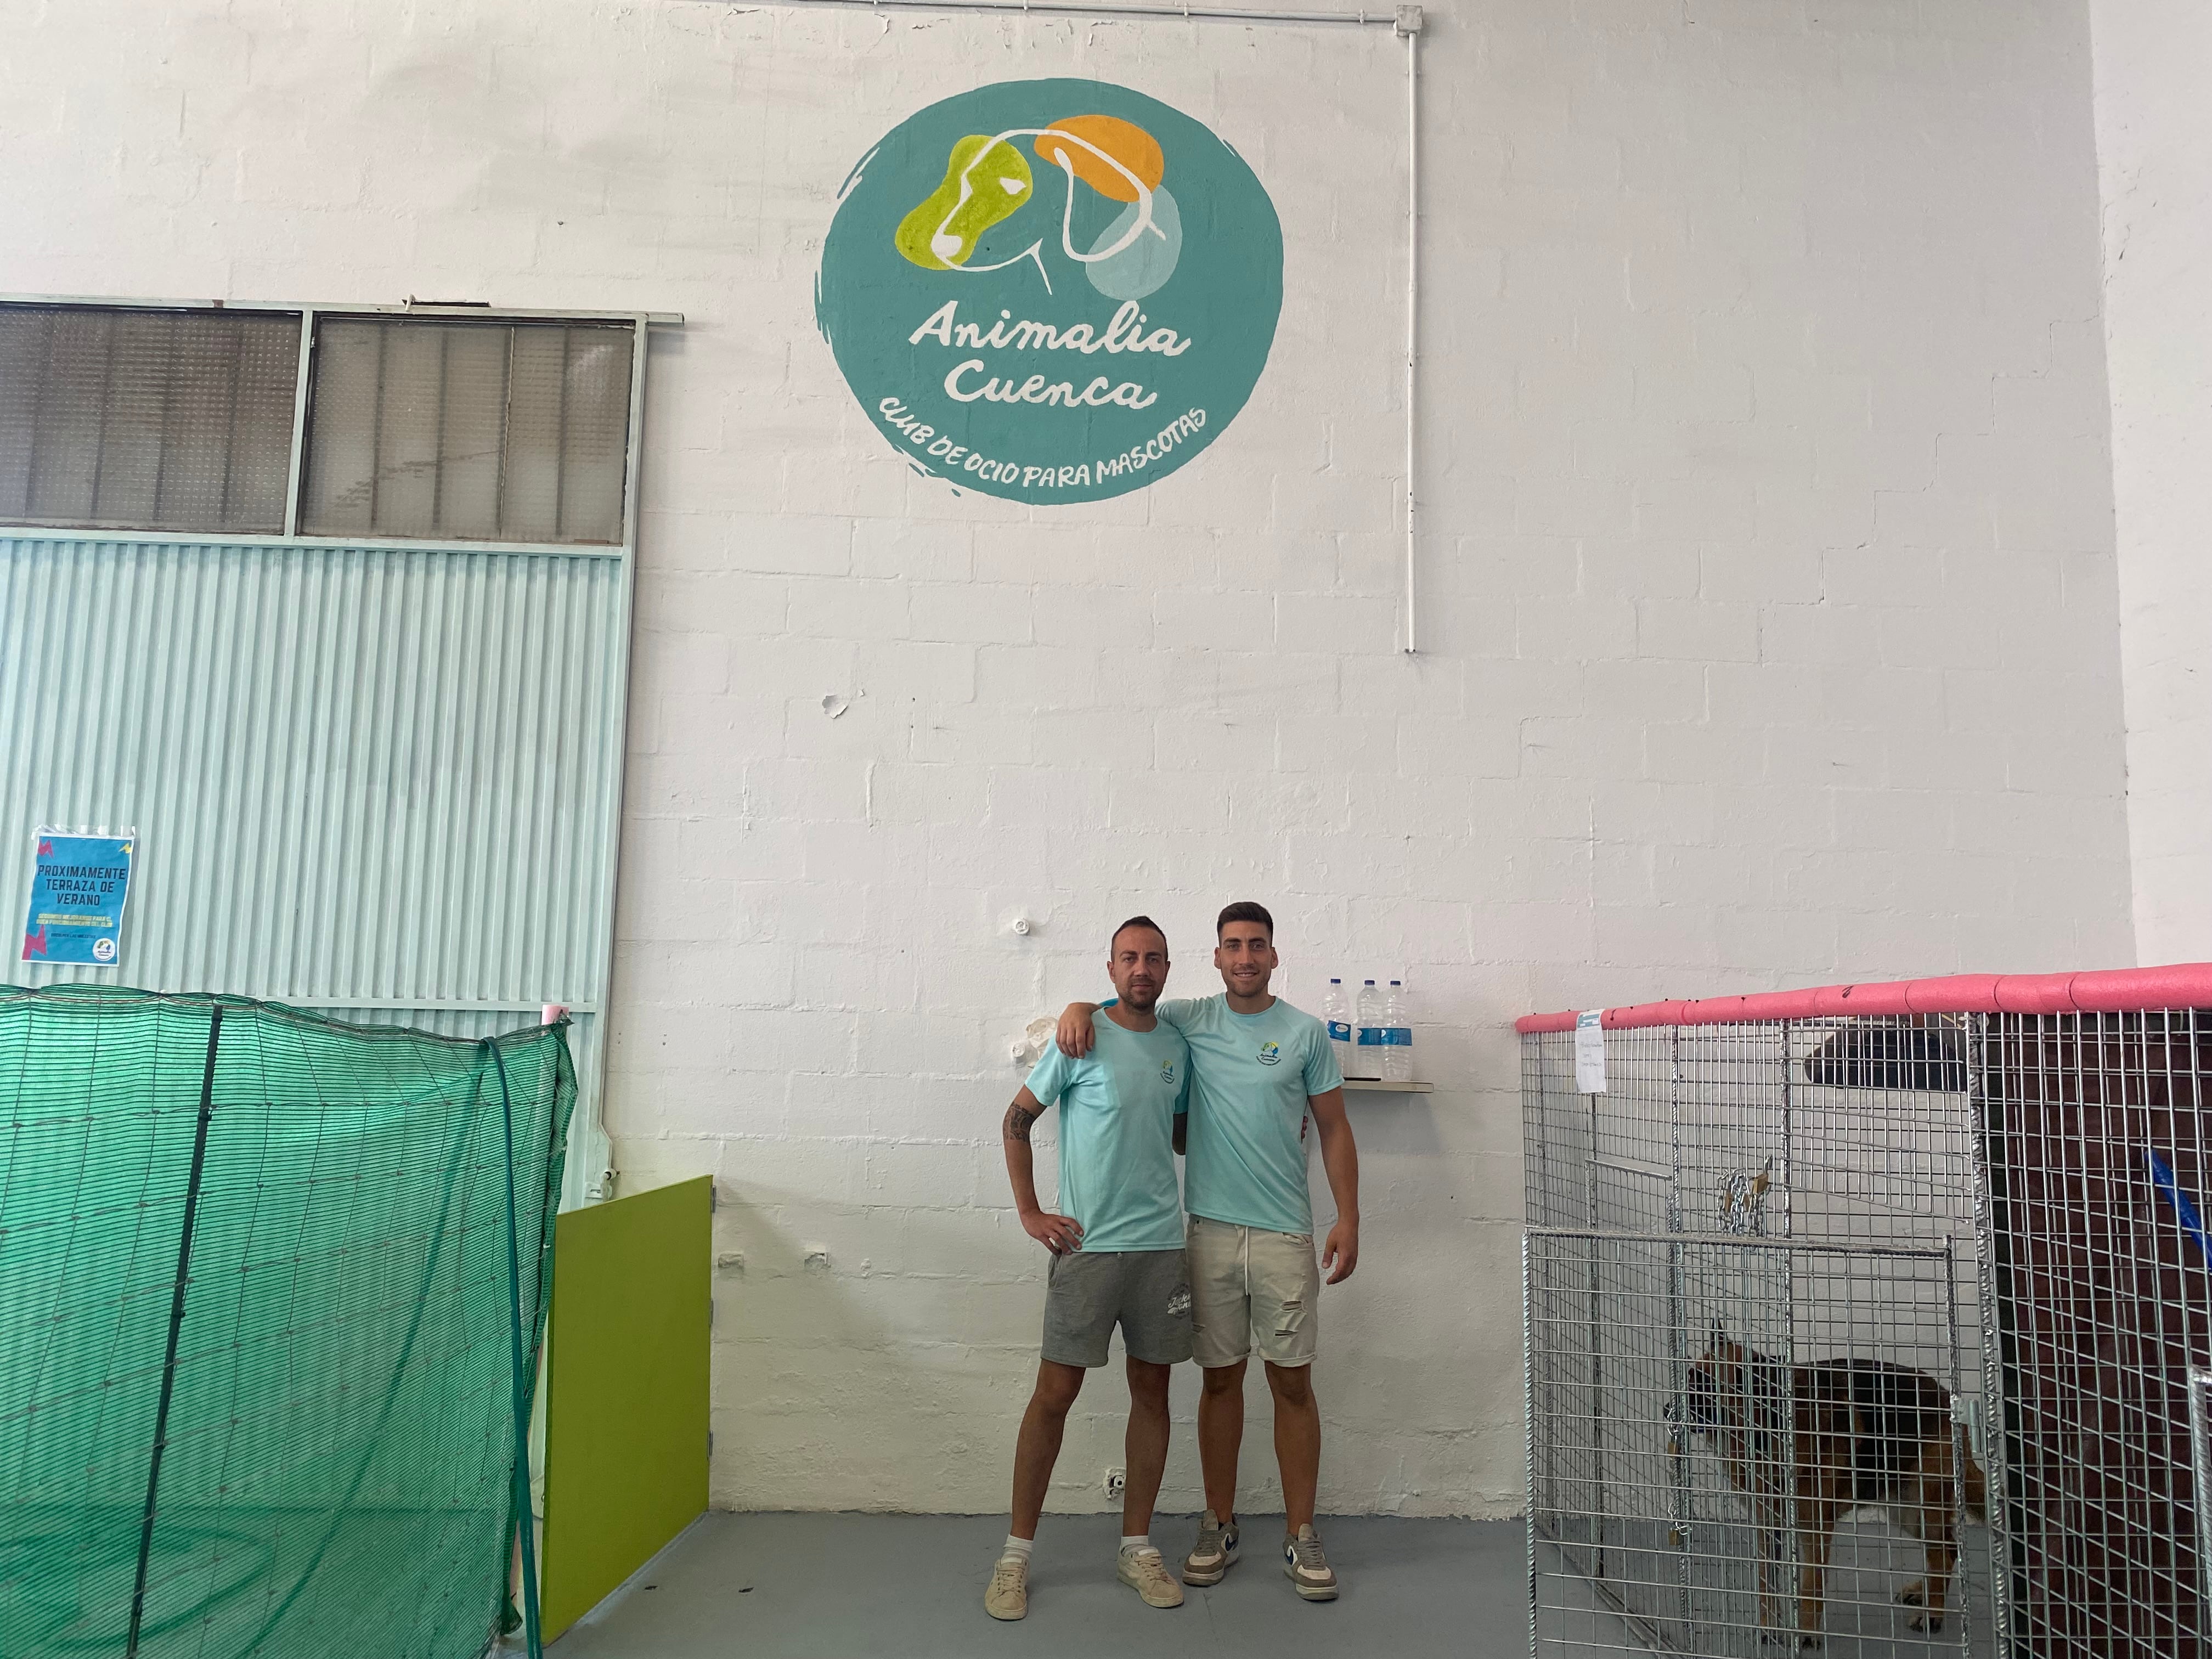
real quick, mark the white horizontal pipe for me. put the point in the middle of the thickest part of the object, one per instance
(431, 1004)
(1076, 8)
(483, 313)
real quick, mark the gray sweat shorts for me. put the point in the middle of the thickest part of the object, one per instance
(1146, 1292)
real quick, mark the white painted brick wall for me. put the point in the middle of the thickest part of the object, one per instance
(2154, 161)
(1769, 602)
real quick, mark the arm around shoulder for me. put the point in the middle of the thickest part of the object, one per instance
(1075, 1036)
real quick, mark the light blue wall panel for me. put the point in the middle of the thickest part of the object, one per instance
(378, 781)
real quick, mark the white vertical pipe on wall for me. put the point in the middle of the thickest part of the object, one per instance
(1409, 25)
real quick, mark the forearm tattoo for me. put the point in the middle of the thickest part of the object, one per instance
(1018, 1122)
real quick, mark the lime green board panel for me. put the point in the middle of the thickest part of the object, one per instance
(626, 1399)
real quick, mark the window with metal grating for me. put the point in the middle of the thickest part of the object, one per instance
(468, 431)
(146, 419)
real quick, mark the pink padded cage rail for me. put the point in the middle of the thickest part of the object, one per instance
(2100, 991)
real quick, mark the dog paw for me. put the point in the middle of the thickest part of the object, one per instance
(1912, 1595)
(1808, 1640)
(1931, 1623)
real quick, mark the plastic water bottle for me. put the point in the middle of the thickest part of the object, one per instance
(1397, 1036)
(1368, 1062)
(1336, 1014)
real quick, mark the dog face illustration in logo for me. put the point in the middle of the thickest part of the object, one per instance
(1270, 1053)
(987, 180)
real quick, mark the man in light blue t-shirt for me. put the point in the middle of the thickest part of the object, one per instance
(1261, 1072)
(1117, 1256)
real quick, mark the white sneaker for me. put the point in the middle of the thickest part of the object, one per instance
(1009, 1595)
(1145, 1572)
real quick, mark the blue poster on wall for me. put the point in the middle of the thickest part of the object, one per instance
(79, 885)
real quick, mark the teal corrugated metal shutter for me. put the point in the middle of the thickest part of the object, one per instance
(376, 782)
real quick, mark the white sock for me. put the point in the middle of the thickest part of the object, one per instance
(1020, 1546)
(1142, 1540)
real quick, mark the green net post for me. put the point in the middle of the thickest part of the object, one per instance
(176, 1329)
(524, 1380)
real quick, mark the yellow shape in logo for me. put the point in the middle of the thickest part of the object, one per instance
(986, 181)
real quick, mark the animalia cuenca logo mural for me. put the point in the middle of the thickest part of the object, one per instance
(1051, 291)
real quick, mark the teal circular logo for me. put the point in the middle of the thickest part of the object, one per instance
(1051, 290)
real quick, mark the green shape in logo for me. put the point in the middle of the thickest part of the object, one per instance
(1051, 291)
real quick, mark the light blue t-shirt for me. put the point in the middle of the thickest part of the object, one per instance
(1117, 1111)
(1245, 1157)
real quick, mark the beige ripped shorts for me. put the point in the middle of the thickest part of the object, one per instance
(1251, 1289)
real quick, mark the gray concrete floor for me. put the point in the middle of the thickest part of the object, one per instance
(794, 1586)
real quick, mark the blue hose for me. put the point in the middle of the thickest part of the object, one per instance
(2183, 1206)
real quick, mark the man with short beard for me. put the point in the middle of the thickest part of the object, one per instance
(1261, 1072)
(1117, 1256)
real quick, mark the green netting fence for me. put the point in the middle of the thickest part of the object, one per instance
(271, 1291)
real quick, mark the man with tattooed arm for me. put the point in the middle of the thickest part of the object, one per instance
(1117, 1254)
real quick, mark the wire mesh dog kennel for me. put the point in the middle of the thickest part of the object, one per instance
(1867, 1318)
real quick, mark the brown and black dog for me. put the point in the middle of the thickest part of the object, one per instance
(1867, 1434)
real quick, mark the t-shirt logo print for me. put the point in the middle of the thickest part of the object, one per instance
(1270, 1053)
(1167, 1073)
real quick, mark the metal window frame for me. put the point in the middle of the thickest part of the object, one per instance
(643, 322)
